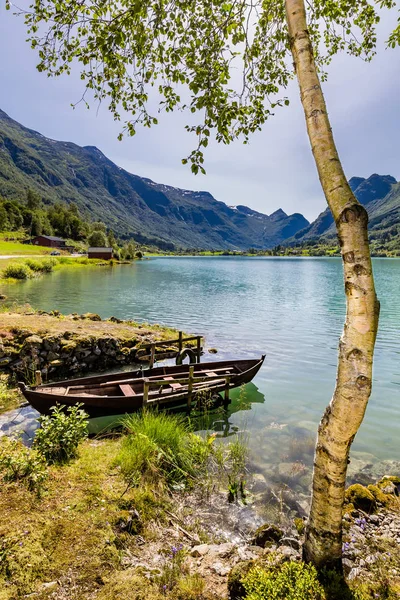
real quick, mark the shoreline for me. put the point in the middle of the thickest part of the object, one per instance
(69, 345)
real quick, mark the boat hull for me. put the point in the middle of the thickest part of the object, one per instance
(43, 397)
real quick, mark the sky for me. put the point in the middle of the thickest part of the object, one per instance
(276, 170)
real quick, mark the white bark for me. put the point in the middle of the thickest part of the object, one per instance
(343, 416)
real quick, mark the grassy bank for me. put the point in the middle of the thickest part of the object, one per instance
(10, 244)
(122, 518)
(83, 528)
(21, 268)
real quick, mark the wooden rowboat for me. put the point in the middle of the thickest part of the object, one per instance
(127, 392)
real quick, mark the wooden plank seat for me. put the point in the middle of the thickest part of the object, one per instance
(127, 390)
(175, 386)
(60, 391)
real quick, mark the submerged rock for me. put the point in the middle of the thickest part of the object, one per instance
(266, 534)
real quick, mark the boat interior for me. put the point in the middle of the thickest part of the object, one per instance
(174, 383)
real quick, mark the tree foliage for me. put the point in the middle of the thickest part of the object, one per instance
(60, 219)
(226, 61)
(97, 239)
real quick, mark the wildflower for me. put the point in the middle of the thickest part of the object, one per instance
(345, 546)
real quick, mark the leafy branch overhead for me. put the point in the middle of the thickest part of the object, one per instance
(228, 61)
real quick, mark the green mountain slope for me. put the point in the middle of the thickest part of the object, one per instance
(131, 205)
(380, 194)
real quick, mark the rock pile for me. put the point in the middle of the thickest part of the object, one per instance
(69, 352)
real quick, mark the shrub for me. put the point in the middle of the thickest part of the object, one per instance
(40, 266)
(290, 581)
(21, 464)
(60, 433)
(16, 271)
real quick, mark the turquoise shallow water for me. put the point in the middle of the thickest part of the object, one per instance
(290, 309)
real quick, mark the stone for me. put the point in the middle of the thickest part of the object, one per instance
(290, 541)
(257, 550)
(360, 497)
(374, 519)
(220, 569)
(371, 559)
(249, 552)
(110, 352)
(115, 320)
(212, 350)
(289, 552)
(56, 363)
(83, 354)
(266, 534)
(200, 550)
(49, 586)
(33, 340)
(355, 572)
(347, 565)
(390, 488)
(91, 316)
(222, 550)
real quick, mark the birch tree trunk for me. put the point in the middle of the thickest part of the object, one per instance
(343, 416)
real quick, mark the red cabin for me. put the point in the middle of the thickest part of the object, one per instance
(50, 241)
(104, 253)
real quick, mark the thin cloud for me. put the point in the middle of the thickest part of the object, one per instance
(276, 170)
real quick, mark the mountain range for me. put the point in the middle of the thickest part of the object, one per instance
(168, 217)
(133, 206)
(380, 194)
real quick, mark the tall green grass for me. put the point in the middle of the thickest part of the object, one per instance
(158, 445)
(163, 448)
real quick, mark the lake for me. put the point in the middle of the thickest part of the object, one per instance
(291, 309)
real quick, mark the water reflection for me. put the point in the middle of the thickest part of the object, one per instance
(21, 423)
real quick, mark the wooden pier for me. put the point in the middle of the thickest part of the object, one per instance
(180, 341)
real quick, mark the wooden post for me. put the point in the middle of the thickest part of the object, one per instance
(38, 377)
(190, 388)
(198, 349)
(226, 398)
(146, 387)
(180, 341)
(152, 355)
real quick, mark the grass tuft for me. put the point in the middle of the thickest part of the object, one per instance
(159, 445)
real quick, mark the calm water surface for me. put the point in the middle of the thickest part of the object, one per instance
(290, 309)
